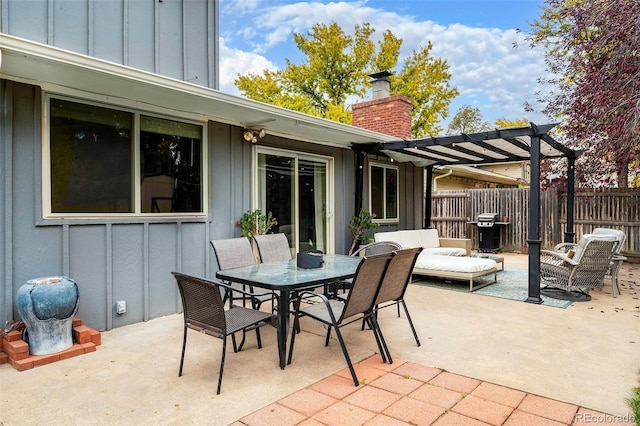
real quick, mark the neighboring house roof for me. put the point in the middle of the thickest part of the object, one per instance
(61, 71)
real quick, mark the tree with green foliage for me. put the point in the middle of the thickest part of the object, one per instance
(591, 49)
(467, 120)
(503, 123)
(336, 71)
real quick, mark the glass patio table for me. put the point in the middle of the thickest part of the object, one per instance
(286, 277)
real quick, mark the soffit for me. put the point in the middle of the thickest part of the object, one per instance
(57, 70)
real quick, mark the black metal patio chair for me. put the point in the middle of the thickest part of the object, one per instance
(235, 253)
(395, 281)
(359, 304)
(273, 247)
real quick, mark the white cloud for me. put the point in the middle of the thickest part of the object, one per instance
(234, 62)
(486, 69)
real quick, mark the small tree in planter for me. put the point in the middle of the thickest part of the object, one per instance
(256, 223)
(360, 224)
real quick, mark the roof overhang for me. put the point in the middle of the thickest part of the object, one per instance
(60, 71)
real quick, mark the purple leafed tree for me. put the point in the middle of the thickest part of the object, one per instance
(592, 48)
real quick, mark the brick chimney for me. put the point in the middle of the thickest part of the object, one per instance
(386, 114)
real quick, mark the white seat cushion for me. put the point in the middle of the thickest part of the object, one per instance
(453, 263)
(446, 251)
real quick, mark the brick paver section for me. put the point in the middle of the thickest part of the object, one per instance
(406, 393)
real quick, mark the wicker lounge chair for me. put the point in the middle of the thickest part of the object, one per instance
(585, 270)
(204, 312)
(337, 313)
(616, 260)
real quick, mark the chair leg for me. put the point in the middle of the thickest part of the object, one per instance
(326, 341)
(224, 351)
(346, 356)
(383, 353)
(235, 345)
(184, 345)
(378, 332)
(296, 324)
(413, 329)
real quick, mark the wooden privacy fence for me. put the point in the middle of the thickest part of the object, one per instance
(451, 212)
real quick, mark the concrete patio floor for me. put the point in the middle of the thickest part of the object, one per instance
(487, 349)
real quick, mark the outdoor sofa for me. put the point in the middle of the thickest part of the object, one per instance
(442, 257)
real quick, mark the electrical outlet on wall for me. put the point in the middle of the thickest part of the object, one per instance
(121, 307)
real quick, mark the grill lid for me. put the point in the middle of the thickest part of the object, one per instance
(488, 217)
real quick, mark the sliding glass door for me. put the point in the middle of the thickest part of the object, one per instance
(294, 187)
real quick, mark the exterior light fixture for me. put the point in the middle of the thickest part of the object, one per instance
(253, 135)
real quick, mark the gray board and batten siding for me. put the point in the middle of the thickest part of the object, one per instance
(162, 37)
(132, 258)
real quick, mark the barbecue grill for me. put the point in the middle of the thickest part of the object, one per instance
(488, 233)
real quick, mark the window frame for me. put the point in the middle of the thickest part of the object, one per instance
(297, 155)
(46, 182)
(385, 167)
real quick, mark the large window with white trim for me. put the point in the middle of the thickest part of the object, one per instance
(103, 160)
(383, 192)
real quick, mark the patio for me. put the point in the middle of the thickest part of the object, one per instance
(585, 355)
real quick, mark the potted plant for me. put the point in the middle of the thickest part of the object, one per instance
(359, 225)
(256, 223)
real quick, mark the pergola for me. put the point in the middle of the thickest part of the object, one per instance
(531, 143)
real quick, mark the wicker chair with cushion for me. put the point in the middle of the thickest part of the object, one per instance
(235, 253)
(585, 270)
(273, 247)
(395, 282)
(204, 312)
(616, 260)
(337, 313)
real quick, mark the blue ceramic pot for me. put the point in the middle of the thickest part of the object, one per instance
(47, 307)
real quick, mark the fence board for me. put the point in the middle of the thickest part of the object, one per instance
(451, 212)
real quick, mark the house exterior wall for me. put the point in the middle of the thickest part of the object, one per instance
(519, 170)
(130, 259)
(174, 38)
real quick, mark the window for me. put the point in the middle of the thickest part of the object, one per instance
(107, 161)
(383, 195)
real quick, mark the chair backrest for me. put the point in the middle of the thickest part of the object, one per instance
(273, 247)
(594, 261)
(379, 247)
(620, 237)
(233, 253)
(365, 285)
(202, 304)
(587, 238)
(398, 274)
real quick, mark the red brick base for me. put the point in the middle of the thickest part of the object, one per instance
(16, 352)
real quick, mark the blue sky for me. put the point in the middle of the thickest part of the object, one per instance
(476, 37)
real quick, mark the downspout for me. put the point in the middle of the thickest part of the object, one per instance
(435, 179)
